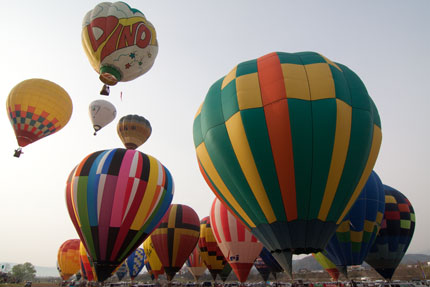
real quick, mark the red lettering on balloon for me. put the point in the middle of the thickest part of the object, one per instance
(142, 43)
(110, 46)
(106, 25)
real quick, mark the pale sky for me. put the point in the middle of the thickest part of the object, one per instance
(387, 43)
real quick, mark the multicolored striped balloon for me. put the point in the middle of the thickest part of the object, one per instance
(115, 199)
(135, 262)
(238, 245)
(357, 232)
(195, 263)
(396, 233)
(288, 141)
(175, 237)
(209, 250)
(153, 260)
(68, 258)
(87, 267)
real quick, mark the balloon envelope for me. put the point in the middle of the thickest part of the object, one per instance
(153, 259)
(327, 264)
(115, 199)
(397, 229)
(133, 130)
(101, 113)
(68, 258)
(37, 108)
(238, 245)
(120, 43)
(175, 237)
(209, 250)
(121, 271)
(87, 267)
(135, 262)
(357, 232)
(288, 141)
(195, 264)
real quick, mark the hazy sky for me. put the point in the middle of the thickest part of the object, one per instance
(387, 43)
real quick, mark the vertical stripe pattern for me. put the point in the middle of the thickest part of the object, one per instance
(288, 141)
(238, 245)
(115, 198)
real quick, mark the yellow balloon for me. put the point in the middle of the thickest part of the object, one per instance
(37, 108)
(154, 260)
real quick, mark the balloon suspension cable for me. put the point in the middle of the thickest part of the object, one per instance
(105, 90)
(18, 152)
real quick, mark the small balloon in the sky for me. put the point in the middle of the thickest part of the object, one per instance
(120, 43)
(36, 109)
(133, 131)
(101, 113)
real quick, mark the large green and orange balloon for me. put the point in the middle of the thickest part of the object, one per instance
(115, 199)
(175, 237)
(288, 141)
(68, 258)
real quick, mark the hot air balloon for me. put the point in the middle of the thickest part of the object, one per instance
(153, 259)
(328, 265)
(36, 109)
(68, 258)
(225, 272)
(115, 199)
(396, 233)
(357, 232)
(121, 271)
(209, 251)
(135, 262)
(288, 141)
(175, 237)
(195, 264)
(262, 268)
(238, 245)
(120, 43)
(271, 262)
(87, 267)
(133, 131)
(148, 267)
(101, 113)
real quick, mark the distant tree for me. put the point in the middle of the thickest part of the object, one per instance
(24, 272)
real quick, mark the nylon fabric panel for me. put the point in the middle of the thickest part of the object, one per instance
(323, 133)
(230, 171)
(211, 114)
(301, 135)
(239, 141)
(216, 183)
(296, 82)
(339, 152)
(255, 127)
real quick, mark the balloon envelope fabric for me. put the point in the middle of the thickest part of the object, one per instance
(396, 233)
(87, 267)
(121, 271)
(153, 259)
(357, 232)
(327, 264)
(133, 130)
(37, 108)
(175, 237)
(209, 250)
(238, 245)
(135, 262)
(115, 199)
(262, 268)
(195, 264)
(288, 141)
(68, 258)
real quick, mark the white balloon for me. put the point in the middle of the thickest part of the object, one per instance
(101, 113)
